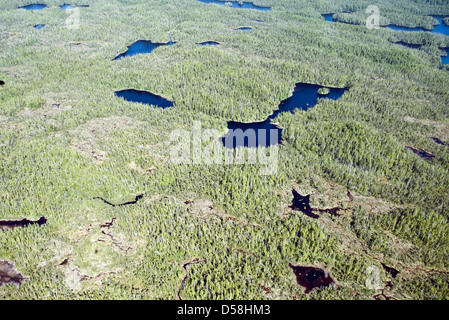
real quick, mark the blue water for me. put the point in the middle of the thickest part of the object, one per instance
(265, 133)
(144, 97)
(445, 59)
(243, 28)
(141, 46)
(67, 6)
(236, 5)
(328, 16)
(39, 26)
(34, 7)
(440, 28)
(209, 43)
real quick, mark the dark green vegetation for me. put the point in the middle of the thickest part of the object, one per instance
(69, 148)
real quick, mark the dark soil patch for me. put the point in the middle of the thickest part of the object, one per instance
(311, 277)
(10, 224)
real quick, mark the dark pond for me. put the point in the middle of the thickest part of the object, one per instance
(243, 28)
(302, 203)
(438, 141)
(39, 26)
(144, 97)
(422, 153)
(390, 270)
(265, 133)
(34, 7)
(141, 46)
(2, 83)
(311, 277)
(10, 224)
(445, 59)
(209, 43)
(409, 45)
(258, 20)
(9, 274)
(238, 5)
(122, 202)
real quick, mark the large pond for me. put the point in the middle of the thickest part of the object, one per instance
(141, 46)
(144, 97)
(265, 133)
(237, 5)
(35, 6)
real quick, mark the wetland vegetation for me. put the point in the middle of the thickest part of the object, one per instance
(362, 181)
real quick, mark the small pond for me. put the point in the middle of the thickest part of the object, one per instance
(328, 16)
(265, 133)
(39, 26)
(141, 46)
(445, 59)
(144, 97)
(209, 43)
(244, 28)
(34, 7)
(237, 5)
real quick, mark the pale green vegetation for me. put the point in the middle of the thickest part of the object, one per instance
(65, 139)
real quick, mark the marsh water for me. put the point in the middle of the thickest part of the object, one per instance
(141, 46)
(237, 5)
(144, 97)
(34, 6)
(266, 133)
